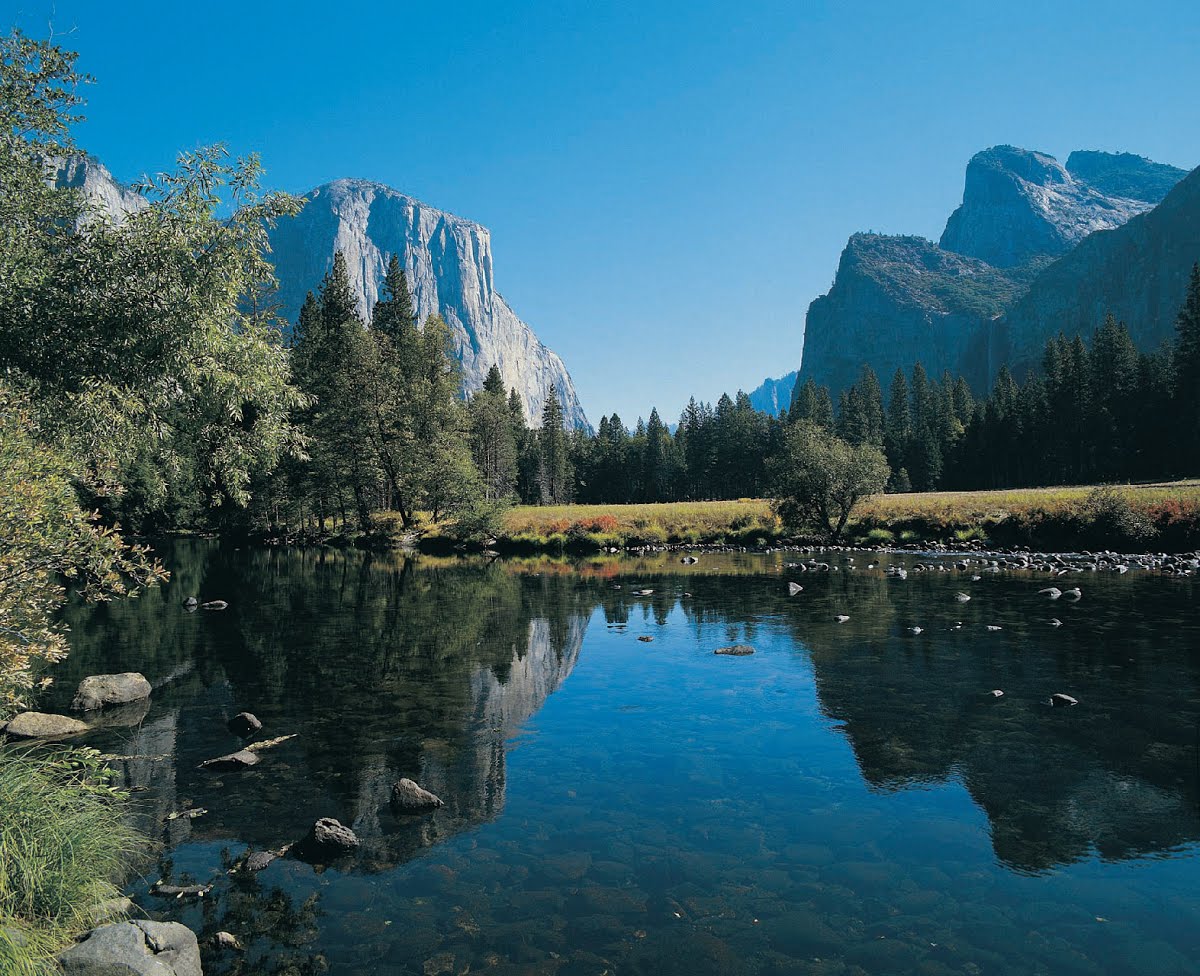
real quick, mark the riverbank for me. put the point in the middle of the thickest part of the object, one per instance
(1149, 517)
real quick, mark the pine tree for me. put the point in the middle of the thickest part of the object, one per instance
(897, 427)
(1187, 374)
(493, 444)
(554, 465)
(395, 314)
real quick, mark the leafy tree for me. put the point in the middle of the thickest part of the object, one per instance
(818, 478)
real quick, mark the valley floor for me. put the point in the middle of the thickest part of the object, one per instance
(1161, 515)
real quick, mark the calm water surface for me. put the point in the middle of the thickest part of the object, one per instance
(848, 800)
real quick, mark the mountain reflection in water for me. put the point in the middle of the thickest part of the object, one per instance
(675, 813)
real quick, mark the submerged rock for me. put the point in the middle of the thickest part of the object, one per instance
(99, 690)
(244, 725)
(214, 605)
(227, 941)
(40, 725)
(735, 650)
(408, 797)
(794, 588)
(1060, 700)
(135, 949)
(235, 760)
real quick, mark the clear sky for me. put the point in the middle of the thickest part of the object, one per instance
(668, 185)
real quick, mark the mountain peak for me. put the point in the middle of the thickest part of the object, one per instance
(1124, 174)
(1020, 203)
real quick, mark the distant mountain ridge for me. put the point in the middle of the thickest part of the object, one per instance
(772, 395)
(898, 300)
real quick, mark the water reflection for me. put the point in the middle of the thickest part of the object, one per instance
(680, 813)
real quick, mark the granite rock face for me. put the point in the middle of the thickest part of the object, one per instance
(773, 395)
(900, 300)
(448, 261)
(1139, 272)
(1019, 204)
(96, 183)
(1124, 174)
(1021, 258)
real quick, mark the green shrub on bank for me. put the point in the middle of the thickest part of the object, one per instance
(65, 847)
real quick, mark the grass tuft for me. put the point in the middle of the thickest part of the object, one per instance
(65, 846)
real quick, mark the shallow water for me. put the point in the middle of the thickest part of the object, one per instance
(850, 799)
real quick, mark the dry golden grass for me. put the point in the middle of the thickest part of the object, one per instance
(959, 506)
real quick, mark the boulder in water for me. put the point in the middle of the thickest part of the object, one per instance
(244, 725)
(235, 760)
(139, 948)
(327, 839)
(735, 650)
(99, 690)
(408, 797)
(40, 725)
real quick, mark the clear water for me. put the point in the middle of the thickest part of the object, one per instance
(848, 800)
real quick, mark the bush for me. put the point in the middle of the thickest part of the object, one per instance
(879, 536)
(65, 846)
(1114, 518)
(480, 521)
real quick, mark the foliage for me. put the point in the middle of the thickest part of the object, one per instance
(818, 478)
(65, 846)
(48, 542)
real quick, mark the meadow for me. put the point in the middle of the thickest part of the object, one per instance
(1161, 515)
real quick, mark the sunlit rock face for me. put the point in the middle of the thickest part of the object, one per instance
(100, 190)
(1024, 218)
(1138, 272)
(1018, 204)
(448, 261)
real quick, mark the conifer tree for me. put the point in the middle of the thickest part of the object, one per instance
(1187, 374)
(554, 465)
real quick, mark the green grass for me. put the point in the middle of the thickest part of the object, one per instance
(65, 846)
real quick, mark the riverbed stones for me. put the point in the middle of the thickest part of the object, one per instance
(242, 759)
(139, 948)
(100, 690)
(41, 725)
(408, 797)
(328, 838)
(735, 650)
(244, 725)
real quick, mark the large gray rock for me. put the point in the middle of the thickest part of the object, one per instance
(448, 262)
(40, 725)
(408, 797)
(96, 184)
(328, 839)
(100, 690)
(135, 949)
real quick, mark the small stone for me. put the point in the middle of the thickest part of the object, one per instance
(794, 589)
(645, 638)
(191, 603)
(214, 605)
(328, 838)
(244, 725)
(841, 618)
(227, 941)
(996, 693)
(408, 797)
(735, 650)
(1058, 699)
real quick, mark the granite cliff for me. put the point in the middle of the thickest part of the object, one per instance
(773, 395)
(448, 261)
(1023, 220)
(1139, 272)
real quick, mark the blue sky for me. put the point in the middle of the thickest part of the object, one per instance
(668, 185)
